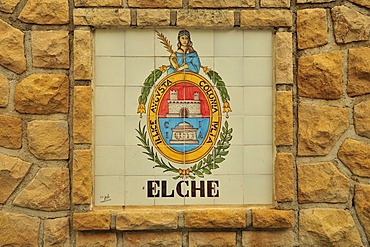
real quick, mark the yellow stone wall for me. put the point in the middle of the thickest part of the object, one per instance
(322, 126)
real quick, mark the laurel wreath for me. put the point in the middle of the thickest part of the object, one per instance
(204, 166)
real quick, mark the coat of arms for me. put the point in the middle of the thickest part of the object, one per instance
(184, 132)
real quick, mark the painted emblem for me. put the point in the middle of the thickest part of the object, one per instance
(184, 132)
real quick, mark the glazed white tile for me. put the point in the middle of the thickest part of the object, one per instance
(230, 189)
(237, 124)
(208, 62)
(171, 35)
(159, 61)
(137, 163)
(109, 131)
(109, 42)
(257, 130)
(236, 100)
(131, 124)
(131, 102)
(228, 43)
(258, 101)
(109, 161)
(168, 189)
(258, 43)
(109, 71)
(231, 70)
(258, 71)
(197, 200)
(233, 164)
(109, 101)
(258, 159)
(137, 69)
(139, 42)
(203, 42)
(136, 189)
(258, 189)
(109, 190)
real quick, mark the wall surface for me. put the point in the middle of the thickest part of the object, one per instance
(322, 126)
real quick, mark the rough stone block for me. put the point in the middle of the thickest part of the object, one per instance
(283, 58)
(362, 118)
(148, 239)
(45, 12)
(315, 1)
(322, 182)
(221, 4)
(48, 191)
(12, 48)
(98, 3)
(56, 232)
(215, 218)
(12, 172)
(153, 17)
(284, 118)
(205, 18)
(215, 239)
(266, 18)
(268, 238)
(284, 178)
(358, 71)
(82, 184)
(82, 114)
(10, 132)
(362, 205)
(82, 55)
(42, 94)
(364, 3)
(320, 76)
(8, 6)
(275, 3)
(271, 218)
(155, 3)
(145, 219)
(311, 28)
(327, 226)
(89, 239)
(356, 156)
(93, 220)
(320, 128)
(102, 17)
(50, 49)
(4, 90)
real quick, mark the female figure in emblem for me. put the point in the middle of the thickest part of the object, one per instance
(185, 58)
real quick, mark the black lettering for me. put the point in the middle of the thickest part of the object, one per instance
(179, 188)
(153, 190)
(164, 190)
(194, 189)
(212, 189)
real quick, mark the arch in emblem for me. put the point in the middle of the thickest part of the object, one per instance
(184, 112)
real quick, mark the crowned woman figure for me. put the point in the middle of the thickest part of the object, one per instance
(185, 58)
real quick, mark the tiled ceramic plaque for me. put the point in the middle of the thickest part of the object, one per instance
(183, 117)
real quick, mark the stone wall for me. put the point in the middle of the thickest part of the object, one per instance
(322, 126)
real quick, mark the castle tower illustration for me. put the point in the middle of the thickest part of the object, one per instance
(183, 108)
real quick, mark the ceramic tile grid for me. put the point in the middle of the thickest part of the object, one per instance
(123, 173)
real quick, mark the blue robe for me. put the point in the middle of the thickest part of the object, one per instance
(191, 59)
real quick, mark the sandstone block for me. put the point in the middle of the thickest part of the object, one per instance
(82, 177)
(362, 205)
(155, 3)
(205, 18)
(8, 6)
(356, 156)
(315, 1)
(50, 49)
(93, 220)
(82, 114)
(268, 238)
(12, 48)
(324, 227)
(275, 3)
(98, 3)
(48, 140)
(82, 55)
(18, 230)
(215, 239)
(215, 218)
(10, 132)
(350, 25)
(271, 218)
(148, 239)
(311, 28)
(45, 12)
(364, 3)
(320, 76)
(12, 172)
(284, 118)
(362, 118)
(42, 94)
(100, 17)
(48, 191)
(284, 177)
(153, 17)
(143, 220)
(4, 90)
(89, 239)
(319, 128)
(266, 18)
(221, 4)
(358, 71)
(322, 182)
(56, 232)
(283, 58)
